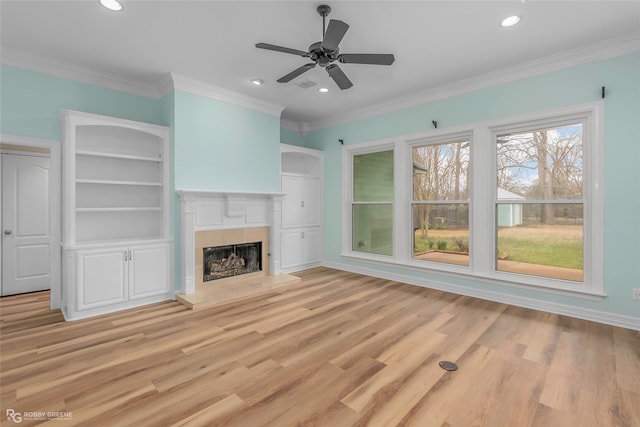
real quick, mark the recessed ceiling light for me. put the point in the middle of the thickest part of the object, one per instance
(510, 21)
(111, 4)
(323, 90)
(256, 82)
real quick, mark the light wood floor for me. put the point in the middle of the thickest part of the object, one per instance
(337, 349)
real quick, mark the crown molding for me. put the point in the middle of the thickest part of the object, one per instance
(289, 125)
(165, 85)
(77, 74)
(583, 55)
(300, 127)
(196, 87)
(159, 89)
(171, 81)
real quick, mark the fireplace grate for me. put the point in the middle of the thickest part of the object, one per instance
(220, 262)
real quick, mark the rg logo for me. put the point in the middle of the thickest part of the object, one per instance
(14, 416)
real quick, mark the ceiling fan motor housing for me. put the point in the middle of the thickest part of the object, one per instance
(321, 56)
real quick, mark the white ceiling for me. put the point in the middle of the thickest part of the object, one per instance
(435, 43)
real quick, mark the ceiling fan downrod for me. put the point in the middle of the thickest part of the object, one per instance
(323, 10)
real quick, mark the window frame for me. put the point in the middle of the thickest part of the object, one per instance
(348, 198)
(483, 198)
(590, 116)
(439, 140)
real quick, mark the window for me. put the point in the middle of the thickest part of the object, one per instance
(515, 202)
(440, 207)
(372, 204)
(540, 201)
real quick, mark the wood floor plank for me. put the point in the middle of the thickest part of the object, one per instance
(444, 397)
(209, 415)
(627, 355)
(337, 349)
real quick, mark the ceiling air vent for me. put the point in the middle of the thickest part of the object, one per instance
(305, 84)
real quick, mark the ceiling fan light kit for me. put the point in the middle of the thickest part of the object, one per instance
(324, 53)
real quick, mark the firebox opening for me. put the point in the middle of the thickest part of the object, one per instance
(231, 260)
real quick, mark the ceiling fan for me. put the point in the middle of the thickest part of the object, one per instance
(325, 52)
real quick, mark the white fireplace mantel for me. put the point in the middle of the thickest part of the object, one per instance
(202, 210)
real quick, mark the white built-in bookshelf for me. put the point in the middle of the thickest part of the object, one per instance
(115, 199)
(119, 181)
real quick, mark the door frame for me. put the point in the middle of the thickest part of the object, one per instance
(54, 207)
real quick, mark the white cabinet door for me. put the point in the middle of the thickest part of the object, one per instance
(310, 195)
(148, 271)
(300, 247)
(310, 246)
(291, 249)
(102, 278)
(291, 203)
(301, 205)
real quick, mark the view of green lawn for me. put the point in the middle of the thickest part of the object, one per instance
(552, 245)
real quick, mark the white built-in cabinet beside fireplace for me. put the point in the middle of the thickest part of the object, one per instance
(301, 183)
(117, 250)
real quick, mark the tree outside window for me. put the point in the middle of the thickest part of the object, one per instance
(540, 206)
(440, 207)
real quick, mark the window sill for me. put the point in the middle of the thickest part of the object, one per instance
(512, 280)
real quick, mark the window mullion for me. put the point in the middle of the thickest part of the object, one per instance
(401, 211)
(482, 237)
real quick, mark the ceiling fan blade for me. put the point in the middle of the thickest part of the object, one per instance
(282, 49)
(334, 34)
(339, 77)
(295, 73)
(366, 58)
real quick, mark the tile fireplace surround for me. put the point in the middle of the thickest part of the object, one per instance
(213, 218)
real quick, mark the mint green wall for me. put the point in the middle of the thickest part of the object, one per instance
(167, 109)
(30, 103)
(291, 137)
(563, 88)
(219, 146)
(223, 147)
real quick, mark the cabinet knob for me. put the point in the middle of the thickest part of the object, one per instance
(8, 231)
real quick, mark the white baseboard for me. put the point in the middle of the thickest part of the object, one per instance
(604, 317)
(300, 267)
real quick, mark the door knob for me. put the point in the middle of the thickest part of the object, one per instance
(7, 232)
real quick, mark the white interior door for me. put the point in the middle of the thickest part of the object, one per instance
(26, 234)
